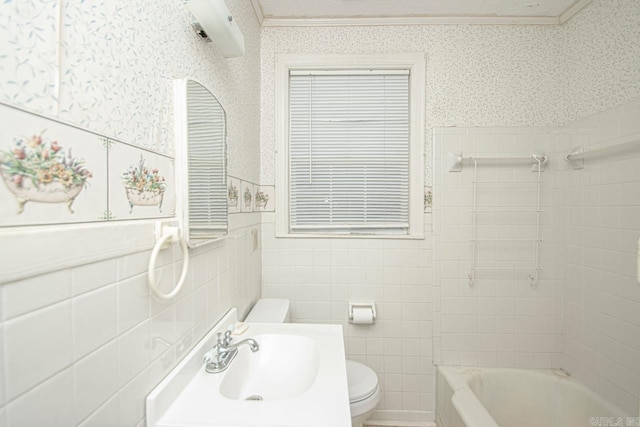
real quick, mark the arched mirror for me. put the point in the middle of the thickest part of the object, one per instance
(201, 153)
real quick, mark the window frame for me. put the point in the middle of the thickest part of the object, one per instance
(415, 64)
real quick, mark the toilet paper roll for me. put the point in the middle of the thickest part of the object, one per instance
(362, 315)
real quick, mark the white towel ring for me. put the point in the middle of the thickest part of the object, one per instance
(171, 234)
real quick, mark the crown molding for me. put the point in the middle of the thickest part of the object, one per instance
(569, 13)
(413, 20)
(258, 10)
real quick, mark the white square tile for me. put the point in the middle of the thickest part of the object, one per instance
(134, 348)
(3, 382)
(133, 302)
(163, 331)
(36, 292)
(133, 399)
(95, 320)
(107, 415)
(506, 343)
(133, 265)
(96, 379)
(487, 359)
(50, 403)
(93, 276)
(161, 366)
(46, 334)
(200, 305)
(184, 316)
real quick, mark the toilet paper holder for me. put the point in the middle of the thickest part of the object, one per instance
(366, 305)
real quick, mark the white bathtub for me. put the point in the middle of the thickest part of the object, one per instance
(502, 397)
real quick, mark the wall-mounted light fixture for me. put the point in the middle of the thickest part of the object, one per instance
(214, 23)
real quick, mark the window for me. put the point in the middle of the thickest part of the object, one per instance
(350, 141)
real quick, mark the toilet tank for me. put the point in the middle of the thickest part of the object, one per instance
(269, 310)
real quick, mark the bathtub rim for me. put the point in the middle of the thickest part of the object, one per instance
(471, 409)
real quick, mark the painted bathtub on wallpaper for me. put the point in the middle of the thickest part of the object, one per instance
(505, 397)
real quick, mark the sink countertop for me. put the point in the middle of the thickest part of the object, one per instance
(189, 396)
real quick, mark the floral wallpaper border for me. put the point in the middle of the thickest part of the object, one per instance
(262, 197)
(58, 173)
(246, 197)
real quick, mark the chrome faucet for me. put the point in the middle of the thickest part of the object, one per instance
(223, 352)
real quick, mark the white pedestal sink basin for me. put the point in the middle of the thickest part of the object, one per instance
(297, 378)
(285, 367)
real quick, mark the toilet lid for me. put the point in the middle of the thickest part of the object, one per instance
(362, 381)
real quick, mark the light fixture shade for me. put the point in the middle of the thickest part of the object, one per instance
(218, 25)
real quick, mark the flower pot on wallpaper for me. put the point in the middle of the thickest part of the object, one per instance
(233, 196)
(143, 186)
(261, 200)
(52, 192)
(39, 171)
(144, 198)
(247, 198)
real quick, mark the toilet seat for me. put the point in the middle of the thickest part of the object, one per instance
(362, 381)
(364, 392)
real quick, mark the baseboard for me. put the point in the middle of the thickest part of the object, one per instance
(401, 419)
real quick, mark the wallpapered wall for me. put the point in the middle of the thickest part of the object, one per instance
(109, 65)
(602, 57)
(476, 75)
(488, 75)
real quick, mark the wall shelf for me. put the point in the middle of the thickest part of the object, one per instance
(537, 161)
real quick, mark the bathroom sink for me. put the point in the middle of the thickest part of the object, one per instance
(284, 367)
(297, 378)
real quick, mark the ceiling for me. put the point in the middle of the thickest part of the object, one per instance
(350, 12)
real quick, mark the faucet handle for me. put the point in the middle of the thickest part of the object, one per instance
(227, 338)
(209, 356)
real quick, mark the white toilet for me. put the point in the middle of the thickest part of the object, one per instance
(364, 393)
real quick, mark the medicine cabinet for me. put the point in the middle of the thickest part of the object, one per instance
(201, 163)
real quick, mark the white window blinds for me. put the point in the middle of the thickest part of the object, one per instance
(206, 164)
(349, 152)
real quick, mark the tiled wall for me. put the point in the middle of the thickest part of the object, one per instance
(584, 314)
(476, 76)
(85, 345)
(320, 277)
(499, 319)
(601, 291)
